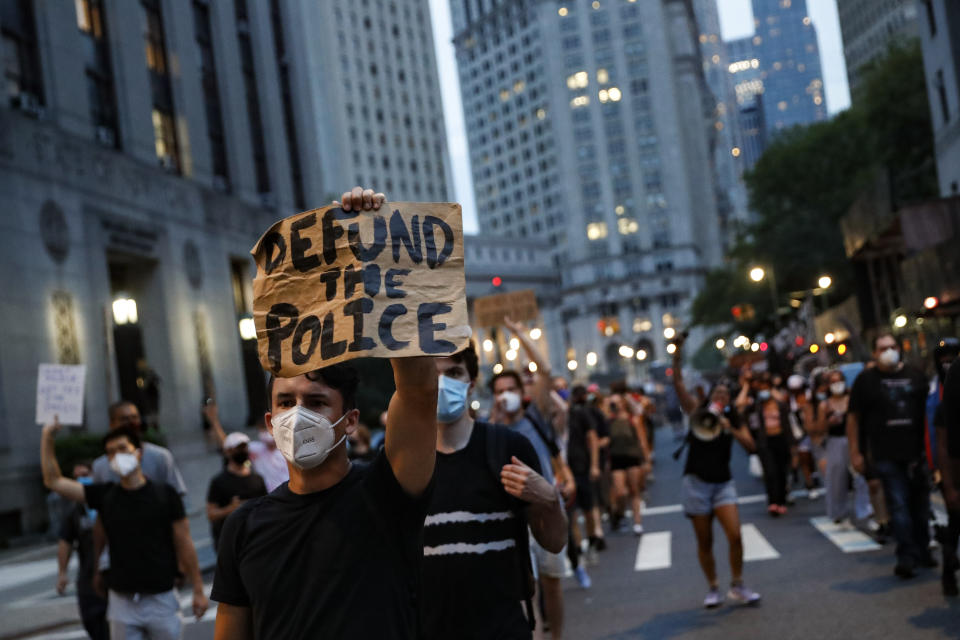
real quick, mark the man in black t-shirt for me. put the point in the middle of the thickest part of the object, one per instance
(77, 532)
(476, 560)
(233, 486)
(947, 423)
(148, 534)
(583, 456)
(336, 552)
(885, 431)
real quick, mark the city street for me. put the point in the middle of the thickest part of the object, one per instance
(810, 586)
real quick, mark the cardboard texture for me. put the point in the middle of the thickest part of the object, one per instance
(332, 285)
(520, 306)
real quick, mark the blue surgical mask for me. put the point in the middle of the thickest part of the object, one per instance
(451, 399)
(763, 395)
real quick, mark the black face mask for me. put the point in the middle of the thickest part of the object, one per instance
(240, 457)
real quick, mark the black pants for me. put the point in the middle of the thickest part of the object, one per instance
(775, 458)
(93, 613)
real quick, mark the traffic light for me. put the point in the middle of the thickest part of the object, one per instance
(496, 281)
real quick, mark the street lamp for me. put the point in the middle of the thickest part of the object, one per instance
(720, 343)
(626, 352)
(641, 354)
(759, 273)
(829, 338)
(572, 365)
(125, 310)
(671, 348)
(535, 333)
(592, 359)
(248, 330)
(514, 344)
(900, 321)
(669, 332)
(488, 345)
(511, 355)
(825, 282)
(497, 369)
(532, 367)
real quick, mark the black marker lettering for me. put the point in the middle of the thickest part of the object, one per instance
(426, 327)
(329, 348)
(386, 327)
(299, 245)
(399, 234)
(391, 284)
(311, 324)
(433, 259)
(276, 332)
(357, 308)
(366, 254)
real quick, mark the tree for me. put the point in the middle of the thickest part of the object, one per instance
(808, 178)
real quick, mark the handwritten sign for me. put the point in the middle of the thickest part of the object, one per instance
(333, 285)
(60, 393)
(520, 306)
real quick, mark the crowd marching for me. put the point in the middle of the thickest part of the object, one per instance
(462, 524)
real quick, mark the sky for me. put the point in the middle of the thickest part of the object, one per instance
(736, 21)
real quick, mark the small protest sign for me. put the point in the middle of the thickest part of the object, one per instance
(333, 285)
(520, 306)
(60, 393)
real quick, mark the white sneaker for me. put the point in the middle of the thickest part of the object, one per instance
(638, 529)
(713, 599)
(814, 494)
(743, 595)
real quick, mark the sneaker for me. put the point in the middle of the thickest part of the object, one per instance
(583, 577)
(638, 529)
(713, 599)
(598, 543)
(904, 571)
(743, 595)
(882, 534)
(814, 494)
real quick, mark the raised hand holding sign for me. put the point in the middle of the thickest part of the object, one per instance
(338, 283)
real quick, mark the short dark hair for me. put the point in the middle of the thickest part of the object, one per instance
(342, 377)
(883, 334)
(122, 432)
(506, 373)
(116, 406)
(578, 394)
(468, 358)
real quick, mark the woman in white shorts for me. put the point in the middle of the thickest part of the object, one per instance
(708, 489)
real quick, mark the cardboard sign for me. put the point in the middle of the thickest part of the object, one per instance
(333, 285)
(520, 306)
(60, 393)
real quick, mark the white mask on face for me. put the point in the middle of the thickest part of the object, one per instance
(889, 357)
(123, 464)
(305, 437)
(510, 401)
(838, 388)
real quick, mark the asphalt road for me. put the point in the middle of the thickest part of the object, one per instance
(810, 587)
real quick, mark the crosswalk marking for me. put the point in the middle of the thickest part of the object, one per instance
(755, 546)
(653, 552)
(847, 538)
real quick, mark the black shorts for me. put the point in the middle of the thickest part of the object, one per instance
(586, 488)
(619, 463)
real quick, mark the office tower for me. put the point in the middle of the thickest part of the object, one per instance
(869, 28)
(939, 27)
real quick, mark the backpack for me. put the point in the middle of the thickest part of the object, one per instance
(495, 439)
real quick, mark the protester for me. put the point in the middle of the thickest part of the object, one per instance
(267, 460)
(233, 486)
(708, 488)
(583, 456)
(360, 449)
(948, 449)
(629, 458)
(770, 423)
(477, 568)
(148, 535)
(885, 431)
(336, 551)
(833, 421)
(805, 430)
(533, 422)
(944, 354)
(157, 462)
(77, 533)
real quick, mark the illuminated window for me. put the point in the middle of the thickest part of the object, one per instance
(578, 80)
(735, 152)
(597, 230)
(626, 226)
(806, 20)
(715, 59)
(504, 95)
(518, 86)
(782, 105)
(757, 40)
(562, 11)
(596, 4)
(777, 66)
(580, 101)
(602, 76)
(541, 114)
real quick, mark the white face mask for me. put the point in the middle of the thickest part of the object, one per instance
(889, 357)
(510, 401)
(838, 388)
(123, 464)
(305, 437)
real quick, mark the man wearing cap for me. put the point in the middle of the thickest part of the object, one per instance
(234, 485)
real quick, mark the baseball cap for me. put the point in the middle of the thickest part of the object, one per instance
(235, 439)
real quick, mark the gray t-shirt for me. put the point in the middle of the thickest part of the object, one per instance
(157, 465)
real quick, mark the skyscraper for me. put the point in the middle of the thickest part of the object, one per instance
(144, 147)
(869, 28)
(785, 43)
(745, 72)
(590, 124)
(940, 34)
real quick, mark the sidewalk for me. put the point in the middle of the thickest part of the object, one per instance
(27, 574)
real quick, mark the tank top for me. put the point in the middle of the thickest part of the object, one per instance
(623, 438)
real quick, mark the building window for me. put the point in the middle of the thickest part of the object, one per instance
(253, 101)
(942, 94)
(91, 20)
(211, 95)
(931, 17)
(289, 124)
(21, 60)
(164, 131)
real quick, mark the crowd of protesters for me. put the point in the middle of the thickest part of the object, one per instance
(463, 524)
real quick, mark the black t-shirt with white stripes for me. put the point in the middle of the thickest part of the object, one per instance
(472, 564)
